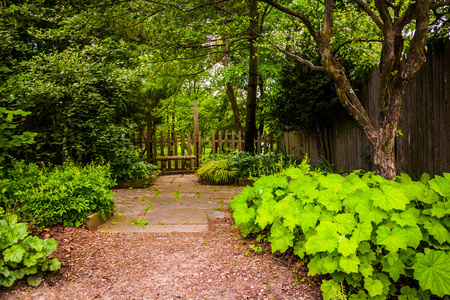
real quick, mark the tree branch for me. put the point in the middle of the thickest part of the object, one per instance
(298, 15)
(298, 58)
(439, 4)
(370, 12)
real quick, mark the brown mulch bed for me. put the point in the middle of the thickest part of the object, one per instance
(208, 265)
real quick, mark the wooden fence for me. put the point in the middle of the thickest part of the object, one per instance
(425, 125)
(174, 150)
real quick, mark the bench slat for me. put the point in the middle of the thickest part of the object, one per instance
(176, 157)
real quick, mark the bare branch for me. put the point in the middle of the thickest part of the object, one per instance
(370, 12)
(298, 15)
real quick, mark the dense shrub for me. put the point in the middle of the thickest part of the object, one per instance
(255, 166)
(380, 238)
(133, 168)
(22, 254)
(61, 195)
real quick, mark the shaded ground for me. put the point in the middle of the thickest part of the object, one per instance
(216, 263)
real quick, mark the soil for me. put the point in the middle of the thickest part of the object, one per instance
(213, 264)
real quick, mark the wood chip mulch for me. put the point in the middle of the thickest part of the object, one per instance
(216, 264)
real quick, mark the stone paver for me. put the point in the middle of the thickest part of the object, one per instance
(174, 203)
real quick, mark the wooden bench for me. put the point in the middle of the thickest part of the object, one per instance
(184, 158)
(179, 157)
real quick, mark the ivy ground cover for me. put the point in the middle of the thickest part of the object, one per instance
(379, 238)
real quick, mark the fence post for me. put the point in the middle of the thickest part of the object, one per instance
(219, 144)
(258, 141)
(213, 143)
(239, 141)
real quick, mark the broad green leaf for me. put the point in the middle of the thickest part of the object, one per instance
(395, 270)
(441, 185)
(374, 287)
(432, 270)
(408, 293)
(413, 235)
(393, 240)
(360, 296)
(437, 230)
(330, 289)
(362, 232)
(366, 270)
(345, 223)
(280, 237)
(30, 261)
(55, 264)
(315, 266)
(404, 219)
(264, 213)
(5, 271)
(244, 214)
(404, 179)
(347, 247)
(308, 217)
(7, 281)
(333, 182)
(330, 264)
(349, 264)
(388, 198)
(369, 213)
(14, 254)
(352, 200)
(19, 231)
(330, 200)
(326, 239)
(34, 242)
(299, 249)
(34, 280)
(441, 209)
(50, 245)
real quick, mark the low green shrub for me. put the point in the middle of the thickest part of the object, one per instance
(252, 166)
(380, 238)
(22, 254)
(134, 168)
(60, 195)
(217, 171)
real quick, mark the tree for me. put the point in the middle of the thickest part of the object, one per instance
(402, 28)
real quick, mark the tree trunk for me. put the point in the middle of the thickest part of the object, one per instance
(250, 117)
(230, 90)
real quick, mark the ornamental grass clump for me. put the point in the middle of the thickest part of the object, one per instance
(217, 172)
(379, 238)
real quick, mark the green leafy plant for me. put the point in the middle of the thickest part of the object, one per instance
(380, 238)
(23, 255)
(150, 206)
(218, 172)
(139, 222)
(60, 195)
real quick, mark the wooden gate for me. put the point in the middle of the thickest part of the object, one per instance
(181, 151)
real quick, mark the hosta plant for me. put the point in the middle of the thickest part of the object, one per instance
(381, 238)
(23, 255)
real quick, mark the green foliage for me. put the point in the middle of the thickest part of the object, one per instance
(10, 141)
(303, 98)
(372, 234)
(217, 171)
(62, 195)
(249, 165)
(133, 168)
(139, 222)
(23, 255)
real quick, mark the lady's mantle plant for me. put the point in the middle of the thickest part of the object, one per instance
(23, 255)
(380, 237)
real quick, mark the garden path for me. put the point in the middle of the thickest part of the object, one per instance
(174, 203)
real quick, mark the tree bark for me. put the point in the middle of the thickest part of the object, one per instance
(230, 90)
(250, 117)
